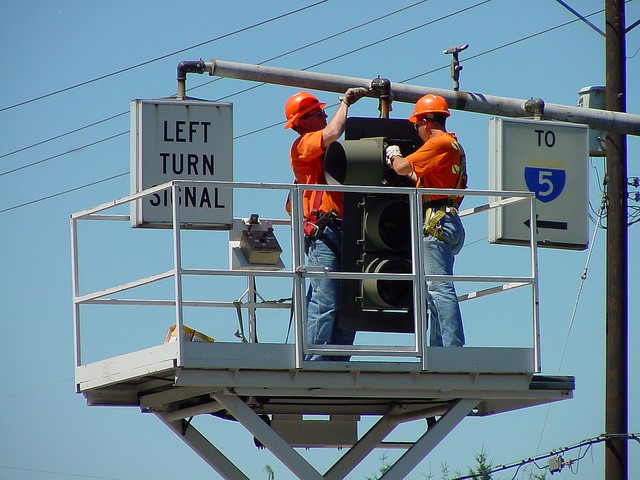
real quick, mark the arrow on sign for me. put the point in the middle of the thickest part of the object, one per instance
(548, 224)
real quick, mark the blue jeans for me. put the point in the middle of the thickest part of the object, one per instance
(323, 296)
(442, 299)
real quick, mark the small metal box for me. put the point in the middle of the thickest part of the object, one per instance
(260, 246)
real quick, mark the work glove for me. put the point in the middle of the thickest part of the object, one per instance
(352, 95)
(392, 151)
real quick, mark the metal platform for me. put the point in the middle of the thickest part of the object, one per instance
(247, 382)
(288, 403)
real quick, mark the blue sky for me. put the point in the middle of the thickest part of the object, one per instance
(48, 431)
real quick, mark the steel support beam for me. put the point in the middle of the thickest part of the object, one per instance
(604, 120)
(203, 447)
(265, 434)
(429, 440)
(374, 437)
(371, 440)
(363, 447)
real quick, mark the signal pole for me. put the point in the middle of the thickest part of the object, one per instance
(616, 403)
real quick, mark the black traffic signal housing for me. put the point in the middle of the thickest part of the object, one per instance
(376, 232)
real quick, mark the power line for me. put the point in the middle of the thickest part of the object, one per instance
(355, 50)
(556, 453)
(34, 389)
(53, 195)
(48, 197)
(416, 76)
(348, 30)
(325, 61)
(444, 17)
(500, 47)
(162, 57)
(63, 135)
(345, 54)
(583, 279)
(98, 181)
(52, 472)
(295, 50)
(76, 149)
(305, 68)
(317, 42)
(382, 17)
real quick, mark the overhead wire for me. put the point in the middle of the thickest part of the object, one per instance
(506, 45)
(53, 472)
(431, 22)
(556, 452)
(601, 185)
(167, 55)
(56, 137)
(371, 44)
(5, 395)
(276, 57)
(350, 52)
(76, 149)
(250, 88)
(319, 63)
(473, 57)
(191, 47)
(322, 40)
(444, 17)
(583, 278)
(123, 113)
(53, 195)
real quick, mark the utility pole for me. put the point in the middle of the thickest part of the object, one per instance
(616, 408)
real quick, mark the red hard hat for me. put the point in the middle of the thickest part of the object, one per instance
(299, 105)
(430, 103)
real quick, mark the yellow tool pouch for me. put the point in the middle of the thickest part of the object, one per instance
(432, 225)
(432, 217)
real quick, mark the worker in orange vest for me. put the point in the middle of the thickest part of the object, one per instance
(322, 211)
(439, 163)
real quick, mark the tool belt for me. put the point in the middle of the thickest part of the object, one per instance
(315, 226)
(434, 211)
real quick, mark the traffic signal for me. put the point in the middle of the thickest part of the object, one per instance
(376, 232)
(386, 249)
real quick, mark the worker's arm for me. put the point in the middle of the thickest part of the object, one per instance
(399, 164)
(335, 127)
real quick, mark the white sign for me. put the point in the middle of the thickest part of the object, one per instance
(182, 140)
(549, 159)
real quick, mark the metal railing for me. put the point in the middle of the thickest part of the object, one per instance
(299, 272)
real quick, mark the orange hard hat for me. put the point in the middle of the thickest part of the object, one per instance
(298, 105)
(429, 104)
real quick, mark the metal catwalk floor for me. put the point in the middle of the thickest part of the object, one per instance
(259, 386)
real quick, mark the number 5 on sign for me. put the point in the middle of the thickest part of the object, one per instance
(546, 183)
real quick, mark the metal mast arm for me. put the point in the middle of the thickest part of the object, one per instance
(473, 102)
